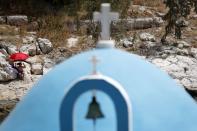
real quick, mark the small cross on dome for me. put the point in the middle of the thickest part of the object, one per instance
(94, 61)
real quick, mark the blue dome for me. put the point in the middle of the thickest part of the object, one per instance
(158, 103)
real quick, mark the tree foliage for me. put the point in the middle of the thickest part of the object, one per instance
(72, 7)
(178, 11)
(89, 6)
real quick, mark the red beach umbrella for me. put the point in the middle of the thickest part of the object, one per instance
(19, 56)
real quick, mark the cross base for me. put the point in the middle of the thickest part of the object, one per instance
(106, 44)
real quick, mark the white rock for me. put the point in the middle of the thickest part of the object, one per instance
(4, 52)
(35, 59)
(37, 69)
(159, 14)
(127, 42)
(147, 37)
(29, 49)
(137, 23)
(142, 23)
(181, 51)
(186, 82)
(48, 63)
(194, 52)
(17, 20)
(6, 71)
(180, 46)
(27, 73)
(2, 20)
(182, 23)
(45, 45)
(11, 49)
(142, 8)
(183, 44)
(160, 62)
(72, 42)
(194, 83)
(46, 70)
(185, 59)
(12, 73)
(172, 59)
(29, 40)
(150, 44)
(3, 62)
(194, 17)
(158, 21)
(169, 51)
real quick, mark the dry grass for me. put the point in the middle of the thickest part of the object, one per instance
(158, 4)
(56, 28)
(12, 34)
(150, 3)
(8, 30)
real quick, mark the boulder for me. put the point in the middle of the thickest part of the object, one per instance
(37, 69)
(12, 73)
(34, 60)
(4, 52)
(137, 23)
(45, 45)
(6, 71)
(17, 20)
(29, 49)
(29, 46)
(9, 47)
(145, 23)
(29, 40)
(147, 37)
(2, 20)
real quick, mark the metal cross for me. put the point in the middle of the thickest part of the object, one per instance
(106, 17)
(94, 61)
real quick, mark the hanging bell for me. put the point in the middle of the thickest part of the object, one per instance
(94, 111)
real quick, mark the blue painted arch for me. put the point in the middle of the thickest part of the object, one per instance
(102, 83)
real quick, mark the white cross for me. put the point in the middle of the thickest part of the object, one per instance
(106, 17)
(94, 61)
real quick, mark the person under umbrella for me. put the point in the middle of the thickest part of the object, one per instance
(19, 66)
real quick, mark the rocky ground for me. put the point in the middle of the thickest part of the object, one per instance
(177, 57)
